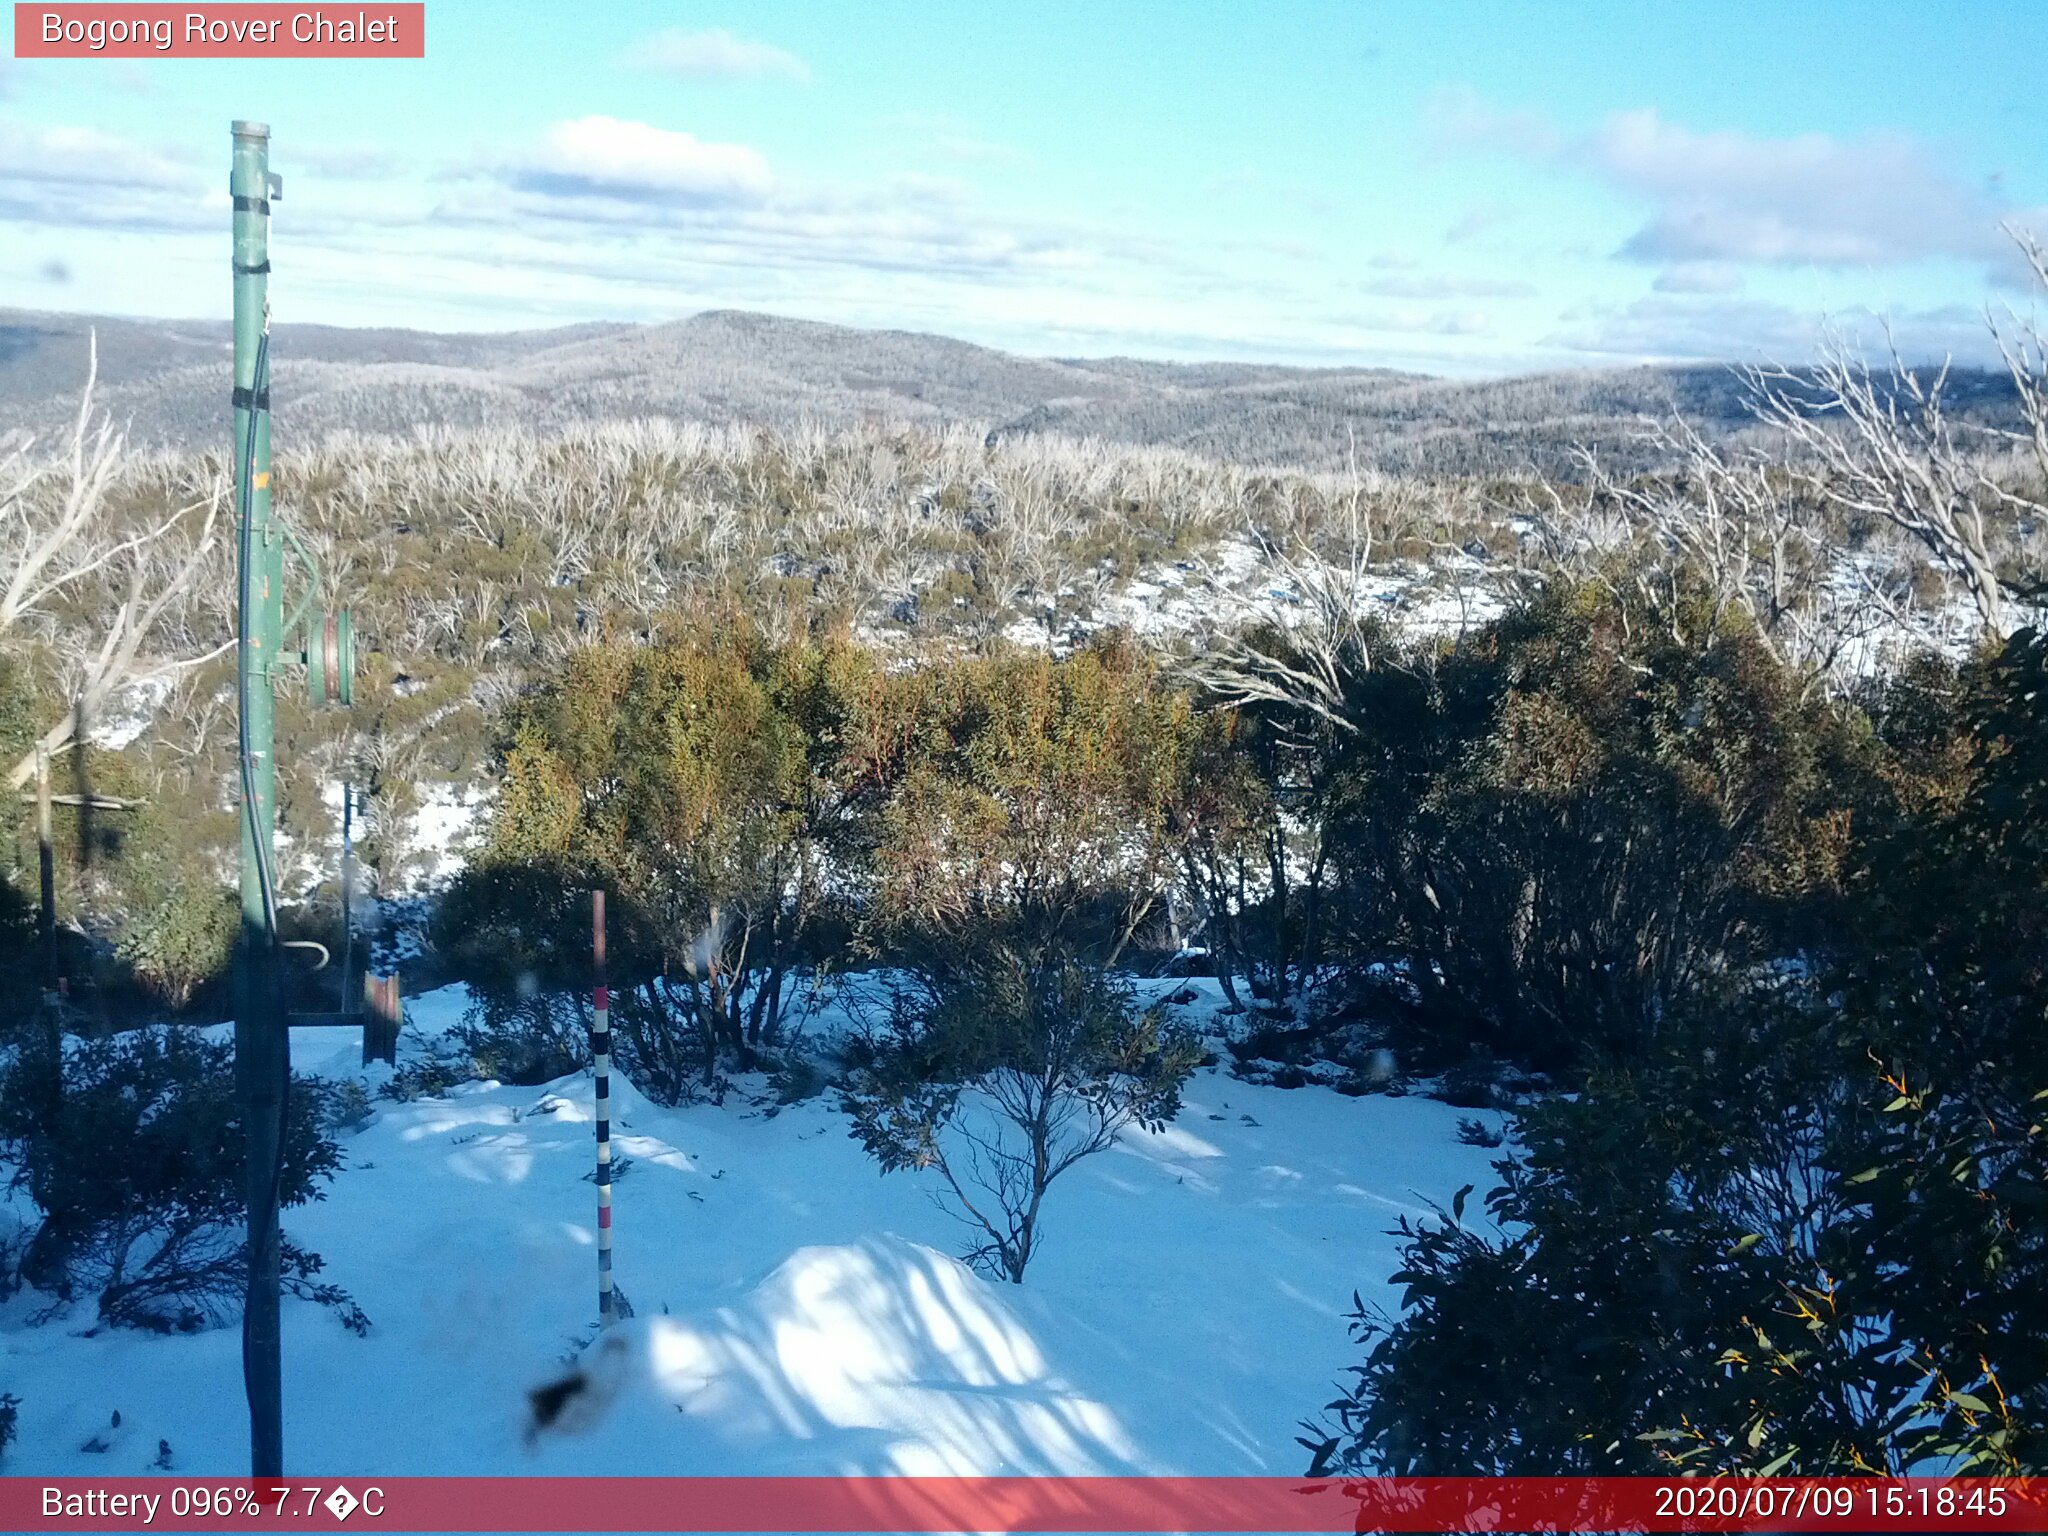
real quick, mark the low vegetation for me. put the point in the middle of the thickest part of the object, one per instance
(134, 1160)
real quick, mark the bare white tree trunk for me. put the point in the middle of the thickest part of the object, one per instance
(1758, 535)
(58, 530)
(1310, 665)
(1887, 448)
(2024, 347)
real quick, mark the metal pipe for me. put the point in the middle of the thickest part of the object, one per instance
(46, 925)
(262, 1045)
(348, 887)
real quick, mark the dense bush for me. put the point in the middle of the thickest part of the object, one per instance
(18, 961)
(755, 805)
(1574, 820)
(1258, 806)
(1543, 836)
(1805, 1229)
(182, 942)
(1952, 973)
(138, 1173)
(1650, 1233)
(520, 935)
(709, 779)
(1031, 801)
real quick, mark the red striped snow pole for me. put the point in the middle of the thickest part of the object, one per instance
(601, 1061)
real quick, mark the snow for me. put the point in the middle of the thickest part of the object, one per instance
(439, 833)
(796, 1312)
(131, 710)
(433, 842)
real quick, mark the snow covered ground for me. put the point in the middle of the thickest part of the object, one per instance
(1238, 582)
(796, 1312)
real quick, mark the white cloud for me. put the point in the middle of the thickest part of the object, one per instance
(1413, 320)
(62, 177)
(1727, 196)
(642, 185)
(613, 157)
(1458, 118)
(1719, 328)
(1730, 196)
(918, 187)
(1399, 285)
(85, 155)
(1699, 277)
(352, 162)
(1476, 221)
(713, 55)
(1689, 328)
(896, 231)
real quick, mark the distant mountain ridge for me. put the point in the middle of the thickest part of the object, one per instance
(167, 380)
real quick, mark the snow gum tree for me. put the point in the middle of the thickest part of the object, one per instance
(87, 585)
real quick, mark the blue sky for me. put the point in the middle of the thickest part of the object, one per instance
(1459, 187)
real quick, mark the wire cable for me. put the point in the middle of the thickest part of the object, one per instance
(245, 499)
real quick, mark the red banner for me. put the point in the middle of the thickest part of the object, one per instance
(1143, 1504)
(372, 31)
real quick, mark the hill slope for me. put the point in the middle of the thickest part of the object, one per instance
(168, 381)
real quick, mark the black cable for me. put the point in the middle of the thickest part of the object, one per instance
(245, 498)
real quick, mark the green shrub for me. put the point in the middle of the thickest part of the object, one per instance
(706, 781)
(1573, 821)
(1652, 1233)
(428, 1077)
(20, 991)
(345, 1107)
(797, 1079)
(1030, 800)
(138, 1174)
(1803, 1229)
(183, 943)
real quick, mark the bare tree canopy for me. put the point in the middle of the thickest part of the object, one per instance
(62, 538)
(1889, 448)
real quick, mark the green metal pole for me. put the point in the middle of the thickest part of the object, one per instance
(262, 1046)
